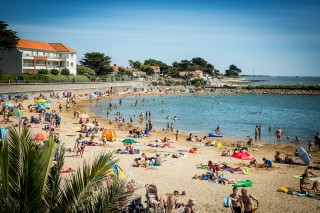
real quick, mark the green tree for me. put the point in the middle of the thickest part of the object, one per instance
(96, 61)
(8, 38)
(233, 71)
(135, 64)
(65, 71)
(164, 68)
(104, 70)
(31, 182)
(83, 70)
(147, 69)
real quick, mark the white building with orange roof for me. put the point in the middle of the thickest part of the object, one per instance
(32, 56)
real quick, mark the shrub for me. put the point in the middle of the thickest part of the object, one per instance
(65, 71)
(43, 72)
(55, 72)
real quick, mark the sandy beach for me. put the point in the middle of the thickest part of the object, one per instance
(177, 173)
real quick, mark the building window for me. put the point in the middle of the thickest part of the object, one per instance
(71, 64)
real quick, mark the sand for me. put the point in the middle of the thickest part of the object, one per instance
(176, 174)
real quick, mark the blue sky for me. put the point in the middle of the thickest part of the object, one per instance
(271, 37)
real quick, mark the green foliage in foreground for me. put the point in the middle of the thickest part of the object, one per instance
(288, 87)
(29, 184)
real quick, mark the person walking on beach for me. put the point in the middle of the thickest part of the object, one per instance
(235, 200)
(279, 134)
(247, 201)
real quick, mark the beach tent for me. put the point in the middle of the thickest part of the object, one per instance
(17, 112)
(41, 136)
(243, 156)
(117, 172)
(109, 134)
(304, 155)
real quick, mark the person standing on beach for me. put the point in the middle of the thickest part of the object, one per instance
(177, 136)
(256, 132)
(260, 132)
(217, 130)
(235, 199)
(317, 140)
(247, 200)
(279, 134)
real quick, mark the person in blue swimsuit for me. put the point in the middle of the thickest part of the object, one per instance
(267, 163)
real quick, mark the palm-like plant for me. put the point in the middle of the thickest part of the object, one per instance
(31, 182)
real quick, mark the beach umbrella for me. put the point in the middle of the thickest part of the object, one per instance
(83, 116)
(4, 96)
(3, 133)
(41, 106)
(304, 155)
(41, 136)
(90, 125)
(243, 156)
(17, 112)
(41, 101)
(18, 95)
(129, 140)
(8, 105)
(117, 172)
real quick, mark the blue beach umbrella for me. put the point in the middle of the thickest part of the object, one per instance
(4, 96)
(3, 133)
(304, 155)
(41, 106)
(8, 105)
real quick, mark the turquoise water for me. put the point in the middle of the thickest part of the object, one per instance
(237, 115)
(285, 80)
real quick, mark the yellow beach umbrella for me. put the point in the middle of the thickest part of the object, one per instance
(41, 101)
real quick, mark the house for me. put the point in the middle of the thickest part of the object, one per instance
(156, 74)
(136, 73)
(115, 68)
(32, 56)
(198, 74)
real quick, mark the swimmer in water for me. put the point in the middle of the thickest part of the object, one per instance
(175, 118)
(168, 117)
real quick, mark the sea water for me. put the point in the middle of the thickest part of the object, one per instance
(283, 80)
(237, 115)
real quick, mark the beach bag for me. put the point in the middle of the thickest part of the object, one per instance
(227, 202)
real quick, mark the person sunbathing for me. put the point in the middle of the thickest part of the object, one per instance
(288, 159)
(226, 153)
(210, 143)
(67, 170)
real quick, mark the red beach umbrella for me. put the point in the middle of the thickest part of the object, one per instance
(243, 156)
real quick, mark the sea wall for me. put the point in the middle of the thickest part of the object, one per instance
(80, 88)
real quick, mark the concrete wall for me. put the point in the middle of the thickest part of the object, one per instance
(10, 62)
(82, 88)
